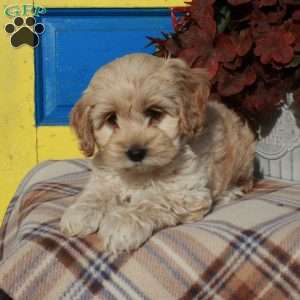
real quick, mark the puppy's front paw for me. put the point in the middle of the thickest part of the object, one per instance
(80, 220)
(123, 232)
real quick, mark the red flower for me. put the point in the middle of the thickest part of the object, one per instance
(238, 2)
(266, 2)
(261, 21)
(179, 23)
(195, 37)
(275, 45)
(235, 64)
(264, 99)
(291, 2)
(295, 30)
(242, 41)
(189, 55)
(202, 12)
(297, 97)
(232, 83)
(211, 65)
(200, 7)
(199, 50)
(252, 56)
(265, 73)
(225, 48)
(296, 15)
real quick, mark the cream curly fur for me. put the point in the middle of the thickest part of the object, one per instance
(198, 151)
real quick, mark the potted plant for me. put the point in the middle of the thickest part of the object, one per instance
(251, 50)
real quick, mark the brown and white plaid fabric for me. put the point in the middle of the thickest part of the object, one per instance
(249, 249)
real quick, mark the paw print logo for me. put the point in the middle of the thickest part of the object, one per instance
(24, 33)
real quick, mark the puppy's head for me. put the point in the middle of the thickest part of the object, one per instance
(139, 110)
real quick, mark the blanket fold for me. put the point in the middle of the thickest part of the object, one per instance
(249, 249)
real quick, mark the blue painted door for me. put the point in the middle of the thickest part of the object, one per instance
(76, 42)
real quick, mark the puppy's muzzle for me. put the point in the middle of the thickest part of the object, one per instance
(136, 153)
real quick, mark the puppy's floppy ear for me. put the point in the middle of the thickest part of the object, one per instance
(82, 125)
(194, 90)
(194, 101)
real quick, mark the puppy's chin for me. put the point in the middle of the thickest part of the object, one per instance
(140, 168)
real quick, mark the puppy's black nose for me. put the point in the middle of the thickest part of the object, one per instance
(136, 153)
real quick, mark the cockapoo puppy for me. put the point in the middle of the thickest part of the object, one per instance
(162, 153)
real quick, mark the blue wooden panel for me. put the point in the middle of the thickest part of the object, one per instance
(76, 42)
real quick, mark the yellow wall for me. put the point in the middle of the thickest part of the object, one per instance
(17, 131)
(22, 145)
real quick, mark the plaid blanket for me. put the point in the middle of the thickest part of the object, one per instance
(249, 249)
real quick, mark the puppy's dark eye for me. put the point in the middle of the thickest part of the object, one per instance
(154, 114)
(111, 119)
